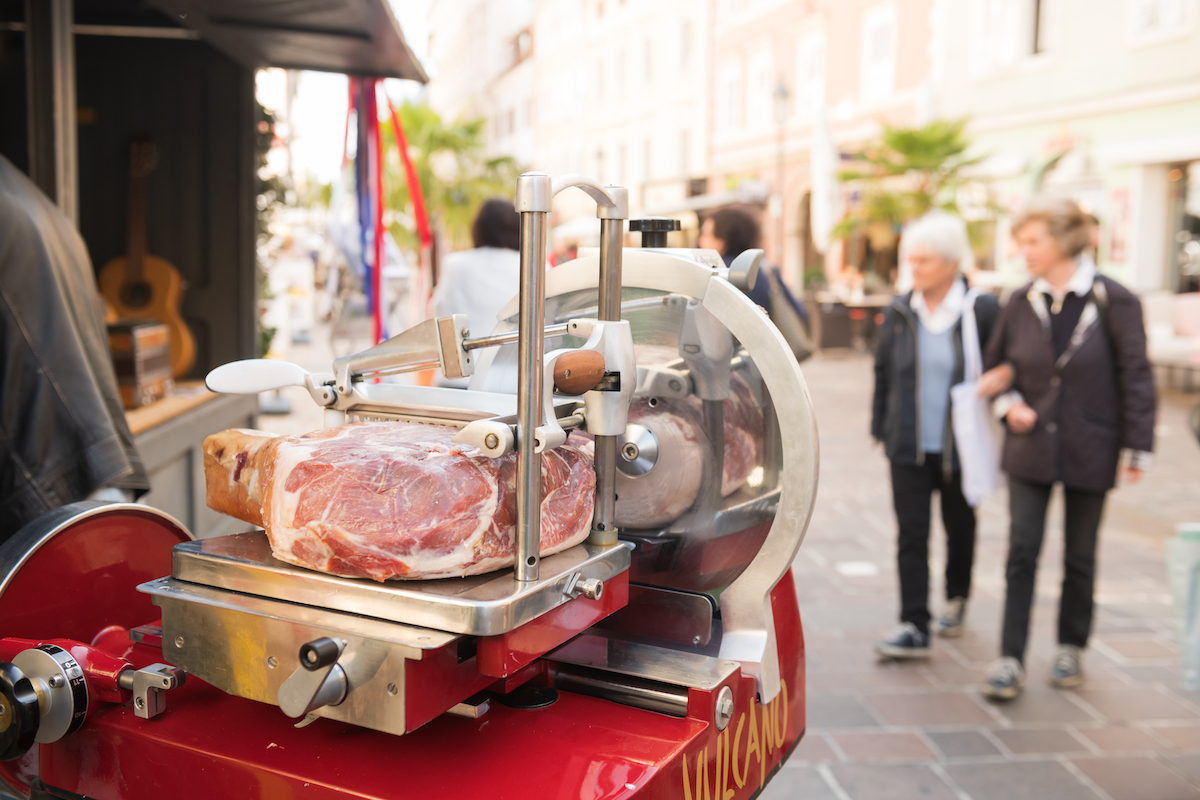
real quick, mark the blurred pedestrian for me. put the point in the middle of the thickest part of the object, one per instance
(1068, 367)
(479, 282)
(918, 359)
(731, 231)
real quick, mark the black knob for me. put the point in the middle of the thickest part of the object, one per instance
(319, 653)
(19, 713)
(654, 230)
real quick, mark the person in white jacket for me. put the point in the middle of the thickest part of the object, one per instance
(480, 281)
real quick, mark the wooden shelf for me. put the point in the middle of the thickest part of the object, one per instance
(187, 395)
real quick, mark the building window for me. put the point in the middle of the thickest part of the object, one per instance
(522, 46)
(762, 83)
(730, 99)
(810, 80)
(878, 78)
(1153, 20)
(1009, 31)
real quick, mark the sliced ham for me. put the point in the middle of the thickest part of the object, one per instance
(387, 500)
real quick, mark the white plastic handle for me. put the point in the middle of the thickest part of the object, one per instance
(254, 375)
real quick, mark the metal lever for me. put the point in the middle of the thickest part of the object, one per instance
(319, 681)
(149, 686)
(432, 343)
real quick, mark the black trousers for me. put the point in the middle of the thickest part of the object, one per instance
(912, 495)
(1027, 504)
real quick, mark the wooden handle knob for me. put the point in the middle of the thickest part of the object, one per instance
(578, 372)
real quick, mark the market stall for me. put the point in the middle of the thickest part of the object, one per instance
(138, 120)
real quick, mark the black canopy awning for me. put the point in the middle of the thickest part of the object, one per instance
(357, 37)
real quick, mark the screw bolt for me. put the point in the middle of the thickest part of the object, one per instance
(724, 707)
(179, 641)
(56, 681)
(465, 332)
(392, 689)
(272, 662)
(491, 441)
(140, 702)
(630, 451)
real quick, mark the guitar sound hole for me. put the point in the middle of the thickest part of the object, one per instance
(136, 294)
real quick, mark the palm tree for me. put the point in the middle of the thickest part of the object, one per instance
(907, 173)
(455, 172)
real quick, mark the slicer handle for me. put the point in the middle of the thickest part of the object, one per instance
(254, 375)
(320, 680)
(578, 372)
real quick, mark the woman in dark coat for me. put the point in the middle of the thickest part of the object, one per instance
(918, 358)
(1067, 365)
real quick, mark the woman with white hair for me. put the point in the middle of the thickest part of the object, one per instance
(918, 358)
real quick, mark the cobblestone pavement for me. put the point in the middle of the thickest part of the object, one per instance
(890, 731)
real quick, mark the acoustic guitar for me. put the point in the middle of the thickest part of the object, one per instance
(139, 285)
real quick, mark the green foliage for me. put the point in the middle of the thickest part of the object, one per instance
(454, 170)
(907, 173)
(270, 193)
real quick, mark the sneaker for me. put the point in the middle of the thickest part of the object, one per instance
(1004, 680)
(1067, 671)
(905, 642)
(950, 624)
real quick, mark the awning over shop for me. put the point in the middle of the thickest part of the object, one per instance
(358, 37)
(748, 192)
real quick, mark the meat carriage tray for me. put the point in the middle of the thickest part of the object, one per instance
(480, 605)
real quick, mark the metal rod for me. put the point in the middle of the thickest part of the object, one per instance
(530, 347)
(612, 236)
(508, 338)
(125, 31)
(604, 528)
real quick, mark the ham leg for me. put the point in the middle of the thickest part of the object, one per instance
(387, 500)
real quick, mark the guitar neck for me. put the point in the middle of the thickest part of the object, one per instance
(136, 240)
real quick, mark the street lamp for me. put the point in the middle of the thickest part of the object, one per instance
(780, 97)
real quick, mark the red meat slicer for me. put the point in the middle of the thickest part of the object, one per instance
(658, 662)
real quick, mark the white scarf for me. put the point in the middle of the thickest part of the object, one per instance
(948, 311)
(1079, 285)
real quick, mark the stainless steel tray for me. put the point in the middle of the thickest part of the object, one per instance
(481, 605)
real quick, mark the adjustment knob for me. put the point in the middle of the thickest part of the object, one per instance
(19, 713)
(654, 230)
